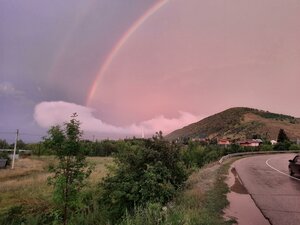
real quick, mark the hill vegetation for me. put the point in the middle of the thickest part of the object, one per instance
(240, 123)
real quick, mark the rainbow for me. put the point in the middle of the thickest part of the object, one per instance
(62, 48)
(120, 44)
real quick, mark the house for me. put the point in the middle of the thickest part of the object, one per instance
(250, 143)
(224, 142)
(273, 142)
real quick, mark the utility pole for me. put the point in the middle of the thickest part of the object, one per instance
(15, 148)
(143, 134)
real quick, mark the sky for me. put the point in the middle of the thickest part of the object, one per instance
(129, 67)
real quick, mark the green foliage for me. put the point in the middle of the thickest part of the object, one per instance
(193, 155)
(189, 208)
(4, 155)
(196, 155)
(39, 149)
(72, 168)
(4, 144)
(282, 146)
(294, 147)
(151, 214)
(102, 148)
(21, 215)
(283, 142)
(282, 137)
(146, 172)
(275, 116)
(13, 216)
(266, 147)
(21, 144)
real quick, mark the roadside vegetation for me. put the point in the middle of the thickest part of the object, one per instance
(134, 181)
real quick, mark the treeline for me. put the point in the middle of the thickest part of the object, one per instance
(91, 148)
(5, 145)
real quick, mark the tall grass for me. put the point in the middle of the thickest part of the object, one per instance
(26, 186)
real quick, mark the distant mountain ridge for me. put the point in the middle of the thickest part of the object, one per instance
(240, 123)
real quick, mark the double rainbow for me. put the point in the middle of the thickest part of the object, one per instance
(119, 45)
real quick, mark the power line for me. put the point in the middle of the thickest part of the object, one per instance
(21, 133)
(3, 132)
(30, 134)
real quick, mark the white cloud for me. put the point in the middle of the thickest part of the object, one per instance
(51, 113)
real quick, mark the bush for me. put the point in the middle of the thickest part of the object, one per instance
(282, 146)
(266, 147)
(149, 172)
(151, 214)
(4, 155)
(212, 155)
(193, 155)
(294, 147)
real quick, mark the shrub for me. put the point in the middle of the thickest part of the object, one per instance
(282, 146)
(4, 155)
(266, 147)
(193, 155)
(149, 172)
(151, 214)
(294, 147)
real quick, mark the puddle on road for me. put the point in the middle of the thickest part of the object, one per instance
(242, 208)
(237, 187)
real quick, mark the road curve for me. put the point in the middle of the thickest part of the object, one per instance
(275, 193)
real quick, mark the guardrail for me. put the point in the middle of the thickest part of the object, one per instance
(254, 153)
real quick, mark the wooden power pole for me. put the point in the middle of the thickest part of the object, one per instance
(15, 149)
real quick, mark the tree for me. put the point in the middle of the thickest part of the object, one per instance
(149, 171)
(282, 137)
(72, 168)
(283, 142)
(3, 144)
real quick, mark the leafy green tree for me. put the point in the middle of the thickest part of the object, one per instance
(282, 137)
(21, 144)
(72, 168)
(283, 142)
(3, 144)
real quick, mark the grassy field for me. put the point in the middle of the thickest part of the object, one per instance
(27, 183)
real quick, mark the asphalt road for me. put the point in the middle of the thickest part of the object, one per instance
(268, 182)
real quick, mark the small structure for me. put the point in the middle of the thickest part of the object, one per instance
(224, 142)
(251, 143)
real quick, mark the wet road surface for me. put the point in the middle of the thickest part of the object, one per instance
(275, 193)
(242, 207)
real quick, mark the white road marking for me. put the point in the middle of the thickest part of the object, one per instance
(267, 162)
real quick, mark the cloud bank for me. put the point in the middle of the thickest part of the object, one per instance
(47, 114)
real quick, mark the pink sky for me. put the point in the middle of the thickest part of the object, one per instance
(162, 64)
(205, 56)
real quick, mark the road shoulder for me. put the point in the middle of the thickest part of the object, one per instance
(242, 207)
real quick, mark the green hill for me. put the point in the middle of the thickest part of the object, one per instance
(240, 123)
